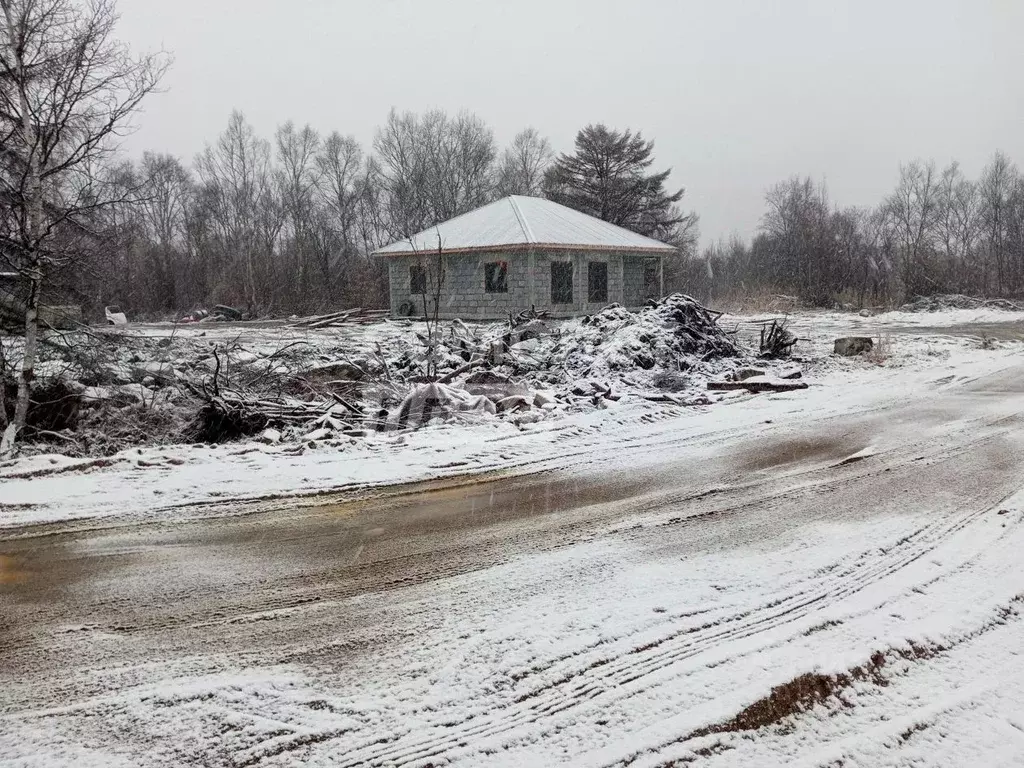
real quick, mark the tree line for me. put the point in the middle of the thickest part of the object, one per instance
(938, 231)
(288, 224)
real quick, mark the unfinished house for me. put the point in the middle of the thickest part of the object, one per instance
(521, 252)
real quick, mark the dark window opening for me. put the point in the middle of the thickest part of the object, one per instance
(597, 281)
(652, 285)
(496, 277)
(417, 280)
(561, 282)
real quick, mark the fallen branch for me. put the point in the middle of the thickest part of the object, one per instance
(776, 340)
(461, 370)
(229, 415)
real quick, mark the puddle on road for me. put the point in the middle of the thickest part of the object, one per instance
(419, 524)
(770, 453)
(44, 571)
(125, 582)
(321, 538)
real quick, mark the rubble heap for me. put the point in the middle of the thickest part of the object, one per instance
(325, 382)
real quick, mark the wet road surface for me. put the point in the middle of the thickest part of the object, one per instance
(87, 612)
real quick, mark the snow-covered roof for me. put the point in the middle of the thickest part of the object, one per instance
(518, 222)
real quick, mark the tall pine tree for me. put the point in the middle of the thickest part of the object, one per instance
(608, 177)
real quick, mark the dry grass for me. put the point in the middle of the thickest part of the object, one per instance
(806, 691)
(881, 351)
(754, 301)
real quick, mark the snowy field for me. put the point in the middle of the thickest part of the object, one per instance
(826, 577)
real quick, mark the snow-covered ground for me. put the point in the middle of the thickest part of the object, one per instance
(828, 577)
(169, 482)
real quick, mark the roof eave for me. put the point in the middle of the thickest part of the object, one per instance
(513, 247)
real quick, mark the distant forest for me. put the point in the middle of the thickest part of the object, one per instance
(286, 224)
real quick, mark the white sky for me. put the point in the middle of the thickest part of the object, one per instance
(737, 95)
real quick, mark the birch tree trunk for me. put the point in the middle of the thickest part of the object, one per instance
(68, 88)
(31, 237)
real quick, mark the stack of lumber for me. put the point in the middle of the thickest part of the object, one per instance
(344, 317)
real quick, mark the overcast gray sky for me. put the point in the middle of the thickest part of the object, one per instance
(737, 95)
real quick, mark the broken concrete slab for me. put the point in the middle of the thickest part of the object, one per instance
(157, 371)
(747, 373)
(513, 403)
(542, 398)
(270, 435)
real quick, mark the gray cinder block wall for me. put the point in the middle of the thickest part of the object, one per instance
(464, 294)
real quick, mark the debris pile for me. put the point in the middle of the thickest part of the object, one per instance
(674, 334)
(851, 346)
(231, 415)
(291, 385)
(358, 315)
(220, 313)
(958, 301)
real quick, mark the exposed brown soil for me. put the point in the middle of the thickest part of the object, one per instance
(794, 450)
(805, 692)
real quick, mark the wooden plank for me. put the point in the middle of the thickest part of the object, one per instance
(755, 385)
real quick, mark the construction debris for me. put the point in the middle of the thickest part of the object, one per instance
(942, 302)
(759, 384)
(433, 400)
(228, 313)
(329, 388)
(220, 313)
(333, 319)
(115, 316)
(230, 415)
(747, 373)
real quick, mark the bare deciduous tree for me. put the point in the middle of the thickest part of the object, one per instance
(997, 182)
(432, 168)
(958, 225)
(298, 178)
(914, 208)
(68, 89)
(523, 165)
(236, 171)
(342, 191)
(167, 186)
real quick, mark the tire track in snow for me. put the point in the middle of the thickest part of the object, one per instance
(610, 678)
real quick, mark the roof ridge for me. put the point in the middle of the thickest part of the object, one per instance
(521, 218)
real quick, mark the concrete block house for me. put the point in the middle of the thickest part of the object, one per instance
(519, 252)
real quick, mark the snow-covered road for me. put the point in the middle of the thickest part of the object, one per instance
(828, 578)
